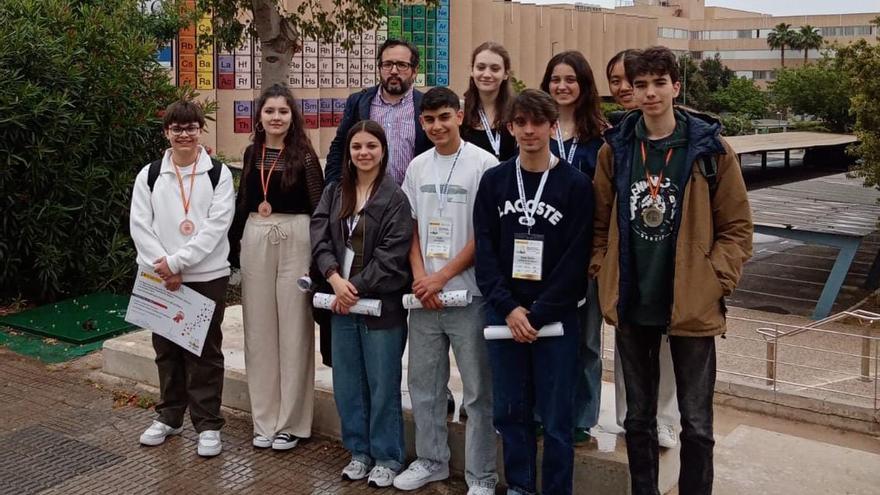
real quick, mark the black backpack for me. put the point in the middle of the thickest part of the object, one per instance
(156, 167)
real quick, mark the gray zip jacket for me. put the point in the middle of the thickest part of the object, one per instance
(388, 233)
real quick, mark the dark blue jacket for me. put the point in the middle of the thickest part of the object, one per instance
(703, 141)
(357, 108)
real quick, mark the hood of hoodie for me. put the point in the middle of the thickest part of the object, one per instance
(702, 132)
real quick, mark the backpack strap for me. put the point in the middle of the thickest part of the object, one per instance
(709, 169)
(214, 173)
(153, 174)
(156, 167)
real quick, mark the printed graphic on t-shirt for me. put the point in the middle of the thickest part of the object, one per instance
(652, 218)
(456, 194)
(544, 210)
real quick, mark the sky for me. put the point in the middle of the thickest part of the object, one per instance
(774, 7)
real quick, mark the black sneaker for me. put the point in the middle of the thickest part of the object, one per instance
(284, 441)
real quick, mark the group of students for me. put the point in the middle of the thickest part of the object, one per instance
(544, 214)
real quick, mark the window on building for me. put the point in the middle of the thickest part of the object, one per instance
(673, 33)
(846, 31)
(757, 54)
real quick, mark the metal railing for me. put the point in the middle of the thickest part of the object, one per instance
(809, 360)
(838, 365)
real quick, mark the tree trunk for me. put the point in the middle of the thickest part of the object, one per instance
(782, 51)
(277, 41)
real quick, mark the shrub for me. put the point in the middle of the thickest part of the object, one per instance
(861, 63)
(78, 118)
(822, 89)
(736, 125)
(740, 96)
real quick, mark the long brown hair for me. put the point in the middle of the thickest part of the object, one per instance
(472, 95)
(588, 116)
(297, 146)
(349, 171)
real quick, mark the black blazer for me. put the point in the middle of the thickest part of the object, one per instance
(388, 231)
(357, 108)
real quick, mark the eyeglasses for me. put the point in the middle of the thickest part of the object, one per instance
(190, 131)
(401, 66)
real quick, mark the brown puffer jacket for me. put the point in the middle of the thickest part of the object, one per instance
(713, 239)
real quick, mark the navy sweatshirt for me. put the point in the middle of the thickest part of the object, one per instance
(564, 217)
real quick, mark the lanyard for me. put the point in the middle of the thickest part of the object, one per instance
(530, 213)
(192, 182)
(353, 220)
(264, 179)
(494, 140)
(561, 144)
(443, 193)
(654, 189)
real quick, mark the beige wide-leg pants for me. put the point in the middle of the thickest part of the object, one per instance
(279, 333)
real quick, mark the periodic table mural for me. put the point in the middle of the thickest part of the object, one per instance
(319, 65)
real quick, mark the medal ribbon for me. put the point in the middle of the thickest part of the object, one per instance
(560, 143)
(192, 182)
(653, 189)
(264, 179)
(494, 140)
(443, 194)
(530, 214)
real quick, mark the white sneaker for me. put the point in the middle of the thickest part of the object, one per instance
(261, 442)
(420, 473)
(157, 432)
(284, 441)
(356, 470)
(480, 490)
(380, 477)
(209, 443)
(666, 436)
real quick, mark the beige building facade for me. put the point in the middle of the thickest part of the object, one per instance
(447, 34)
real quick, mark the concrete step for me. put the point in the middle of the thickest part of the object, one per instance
(600, 467)
(754, 460)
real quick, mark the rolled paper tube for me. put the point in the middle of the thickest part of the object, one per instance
(450, 299)
(370, 307)
(304, 283)
(494, 332)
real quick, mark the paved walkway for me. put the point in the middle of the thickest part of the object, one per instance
(61, 434)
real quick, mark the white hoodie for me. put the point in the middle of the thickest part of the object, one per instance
(156, 217)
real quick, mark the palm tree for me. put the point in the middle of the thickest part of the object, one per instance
(780, 37)
(806, 39)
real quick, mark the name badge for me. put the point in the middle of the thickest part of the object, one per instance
(528, 253)
(439, 243)
(347, 262)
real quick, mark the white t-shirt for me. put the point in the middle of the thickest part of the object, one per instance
(420, 186)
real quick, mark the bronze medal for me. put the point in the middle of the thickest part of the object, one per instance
(265, 209)
(187, 227)
(652, 216)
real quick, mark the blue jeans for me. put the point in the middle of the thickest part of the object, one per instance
(588, 392)
(529, 378)
(367, 373)
(693, 359)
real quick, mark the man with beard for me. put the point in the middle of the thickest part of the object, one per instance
(394, 104)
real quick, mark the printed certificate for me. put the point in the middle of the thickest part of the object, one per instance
(182, 316)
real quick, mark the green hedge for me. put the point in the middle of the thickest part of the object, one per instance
(79, 116)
